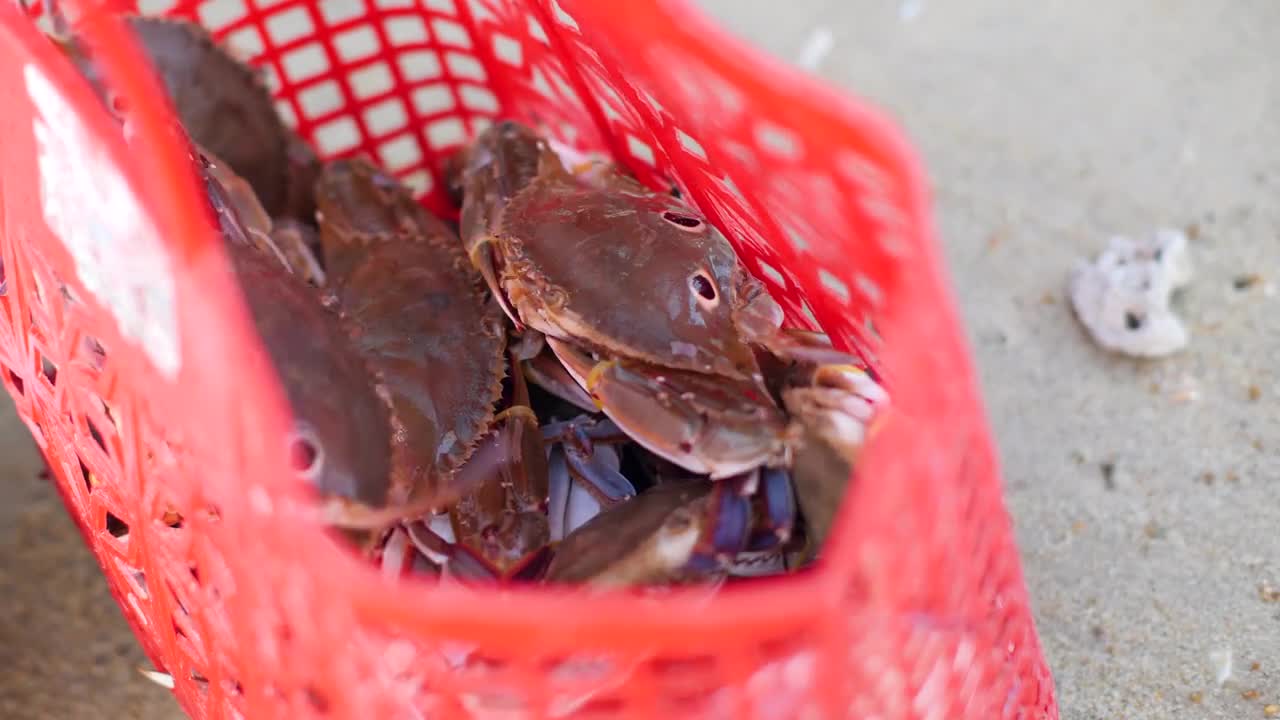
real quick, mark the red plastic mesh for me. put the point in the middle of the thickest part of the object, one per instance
(124, 343)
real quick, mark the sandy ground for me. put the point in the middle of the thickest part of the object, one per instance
(1144, 493)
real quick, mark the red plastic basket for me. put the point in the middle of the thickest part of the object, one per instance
(124, 342)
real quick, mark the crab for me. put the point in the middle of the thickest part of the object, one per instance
(647, 315)
(340, 440)
(224, 107)
(423, 323)
(636, 296)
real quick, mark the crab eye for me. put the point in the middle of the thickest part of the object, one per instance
(306, 456)
(687, 222)
(704, 288)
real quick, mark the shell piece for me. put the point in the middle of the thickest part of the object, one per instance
(1122, 298)
(424, 324)
(608, 265)
(342, 439)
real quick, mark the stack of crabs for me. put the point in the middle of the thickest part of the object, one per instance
(578, 382)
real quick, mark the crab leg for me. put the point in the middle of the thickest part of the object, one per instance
(575, 500)
(774, 508)
(591, 463)
(727, 525)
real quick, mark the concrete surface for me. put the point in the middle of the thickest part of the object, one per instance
(1145, 493)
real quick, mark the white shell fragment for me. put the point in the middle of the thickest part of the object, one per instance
(1122, 298)
(164, 680)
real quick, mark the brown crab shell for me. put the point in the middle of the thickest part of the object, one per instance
(224, 107)
(327, 384)
(608, 264)
(421, 320)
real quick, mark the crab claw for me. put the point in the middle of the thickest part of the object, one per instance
(708, 425)
(839, 407)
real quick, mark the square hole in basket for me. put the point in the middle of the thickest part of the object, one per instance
(869, 289)
(399, 153)
(777, 140)
(139, 579)
(448, 32)
(478, 98)
(446, 133)
(640, 150)
(537, 32)
(563, 17)
(418, 65)
(153, 7)
(337, 136)
(835, 285)
(117, 527)
(693, 146)
(432, 99)
(305, 63)
(356, 43)
(172, 519)
(419, 181)
(320, 99)
(216, 15)
(336, 12)
(795, 238)
(405, 30)
(772, 275)
(540, 83)
(371, 81)
(288, 25)
(97, 436)
(507, 50)
(90, 480)
(464, 66)
(385, 117)
(246, 42)
(48, 369)
(18, 386)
